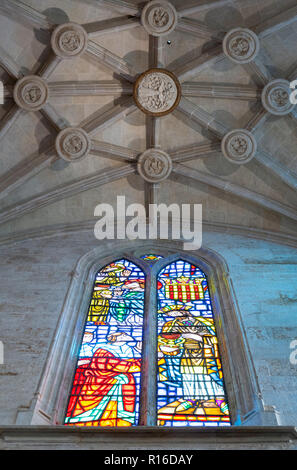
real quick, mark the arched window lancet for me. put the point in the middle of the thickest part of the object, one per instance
(106, 389)
(190, 389)
(106, 385)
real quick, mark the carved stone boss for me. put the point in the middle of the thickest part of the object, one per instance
(159, 18)
(73, 144)
(276, 97)
(239, 146)
(154, 165)
(241, 45)
(69, 40)
(157, 92)
(31, 93)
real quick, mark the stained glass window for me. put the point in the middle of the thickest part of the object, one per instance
(106, 386)
(106, 389)
(151, 257)
(190, 388)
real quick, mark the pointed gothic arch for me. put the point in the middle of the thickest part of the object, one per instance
(246, 407)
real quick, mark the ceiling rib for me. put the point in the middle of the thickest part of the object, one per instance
(20, 11)
(191, 152)
(201, 117)
(199, 29)
(112, 61)
(113, 25)
(26, 169)
(235, 189)
(275, 24)
(125, 7)
(90, 88)
(99, 121)
(66, 190)
(200, 5)
(105, 149)
(9, 64)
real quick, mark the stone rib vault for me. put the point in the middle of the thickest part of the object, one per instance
(156, 91)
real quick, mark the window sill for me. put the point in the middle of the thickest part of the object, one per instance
(141, 438)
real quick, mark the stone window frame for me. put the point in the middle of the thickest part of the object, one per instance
(51, 398)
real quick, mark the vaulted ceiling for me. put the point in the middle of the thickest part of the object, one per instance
(93, 91)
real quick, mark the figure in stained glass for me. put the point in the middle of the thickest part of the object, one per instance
(190, 381)
(107, 389)
(106, 386)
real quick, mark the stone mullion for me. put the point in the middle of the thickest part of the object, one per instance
(90, 88)
(236, 190)
(99, 120)
(273, 25)
(194, 66)
(196, 28)
(113, 25)
(201, 5)
(9, 119)
(112, 61)
(113, 151)
(201, 117)
(194, 151)
(233, 92)
(24, 13)
(148, 395)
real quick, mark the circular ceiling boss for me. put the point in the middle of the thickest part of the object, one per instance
(73, 144)
(157, 92)
(241, 45)
(69, 40)
(154, 165)
(31, 93)
(276, 97)
(159, 17)
(239, 146)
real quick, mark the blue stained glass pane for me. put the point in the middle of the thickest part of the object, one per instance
(191, 389)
